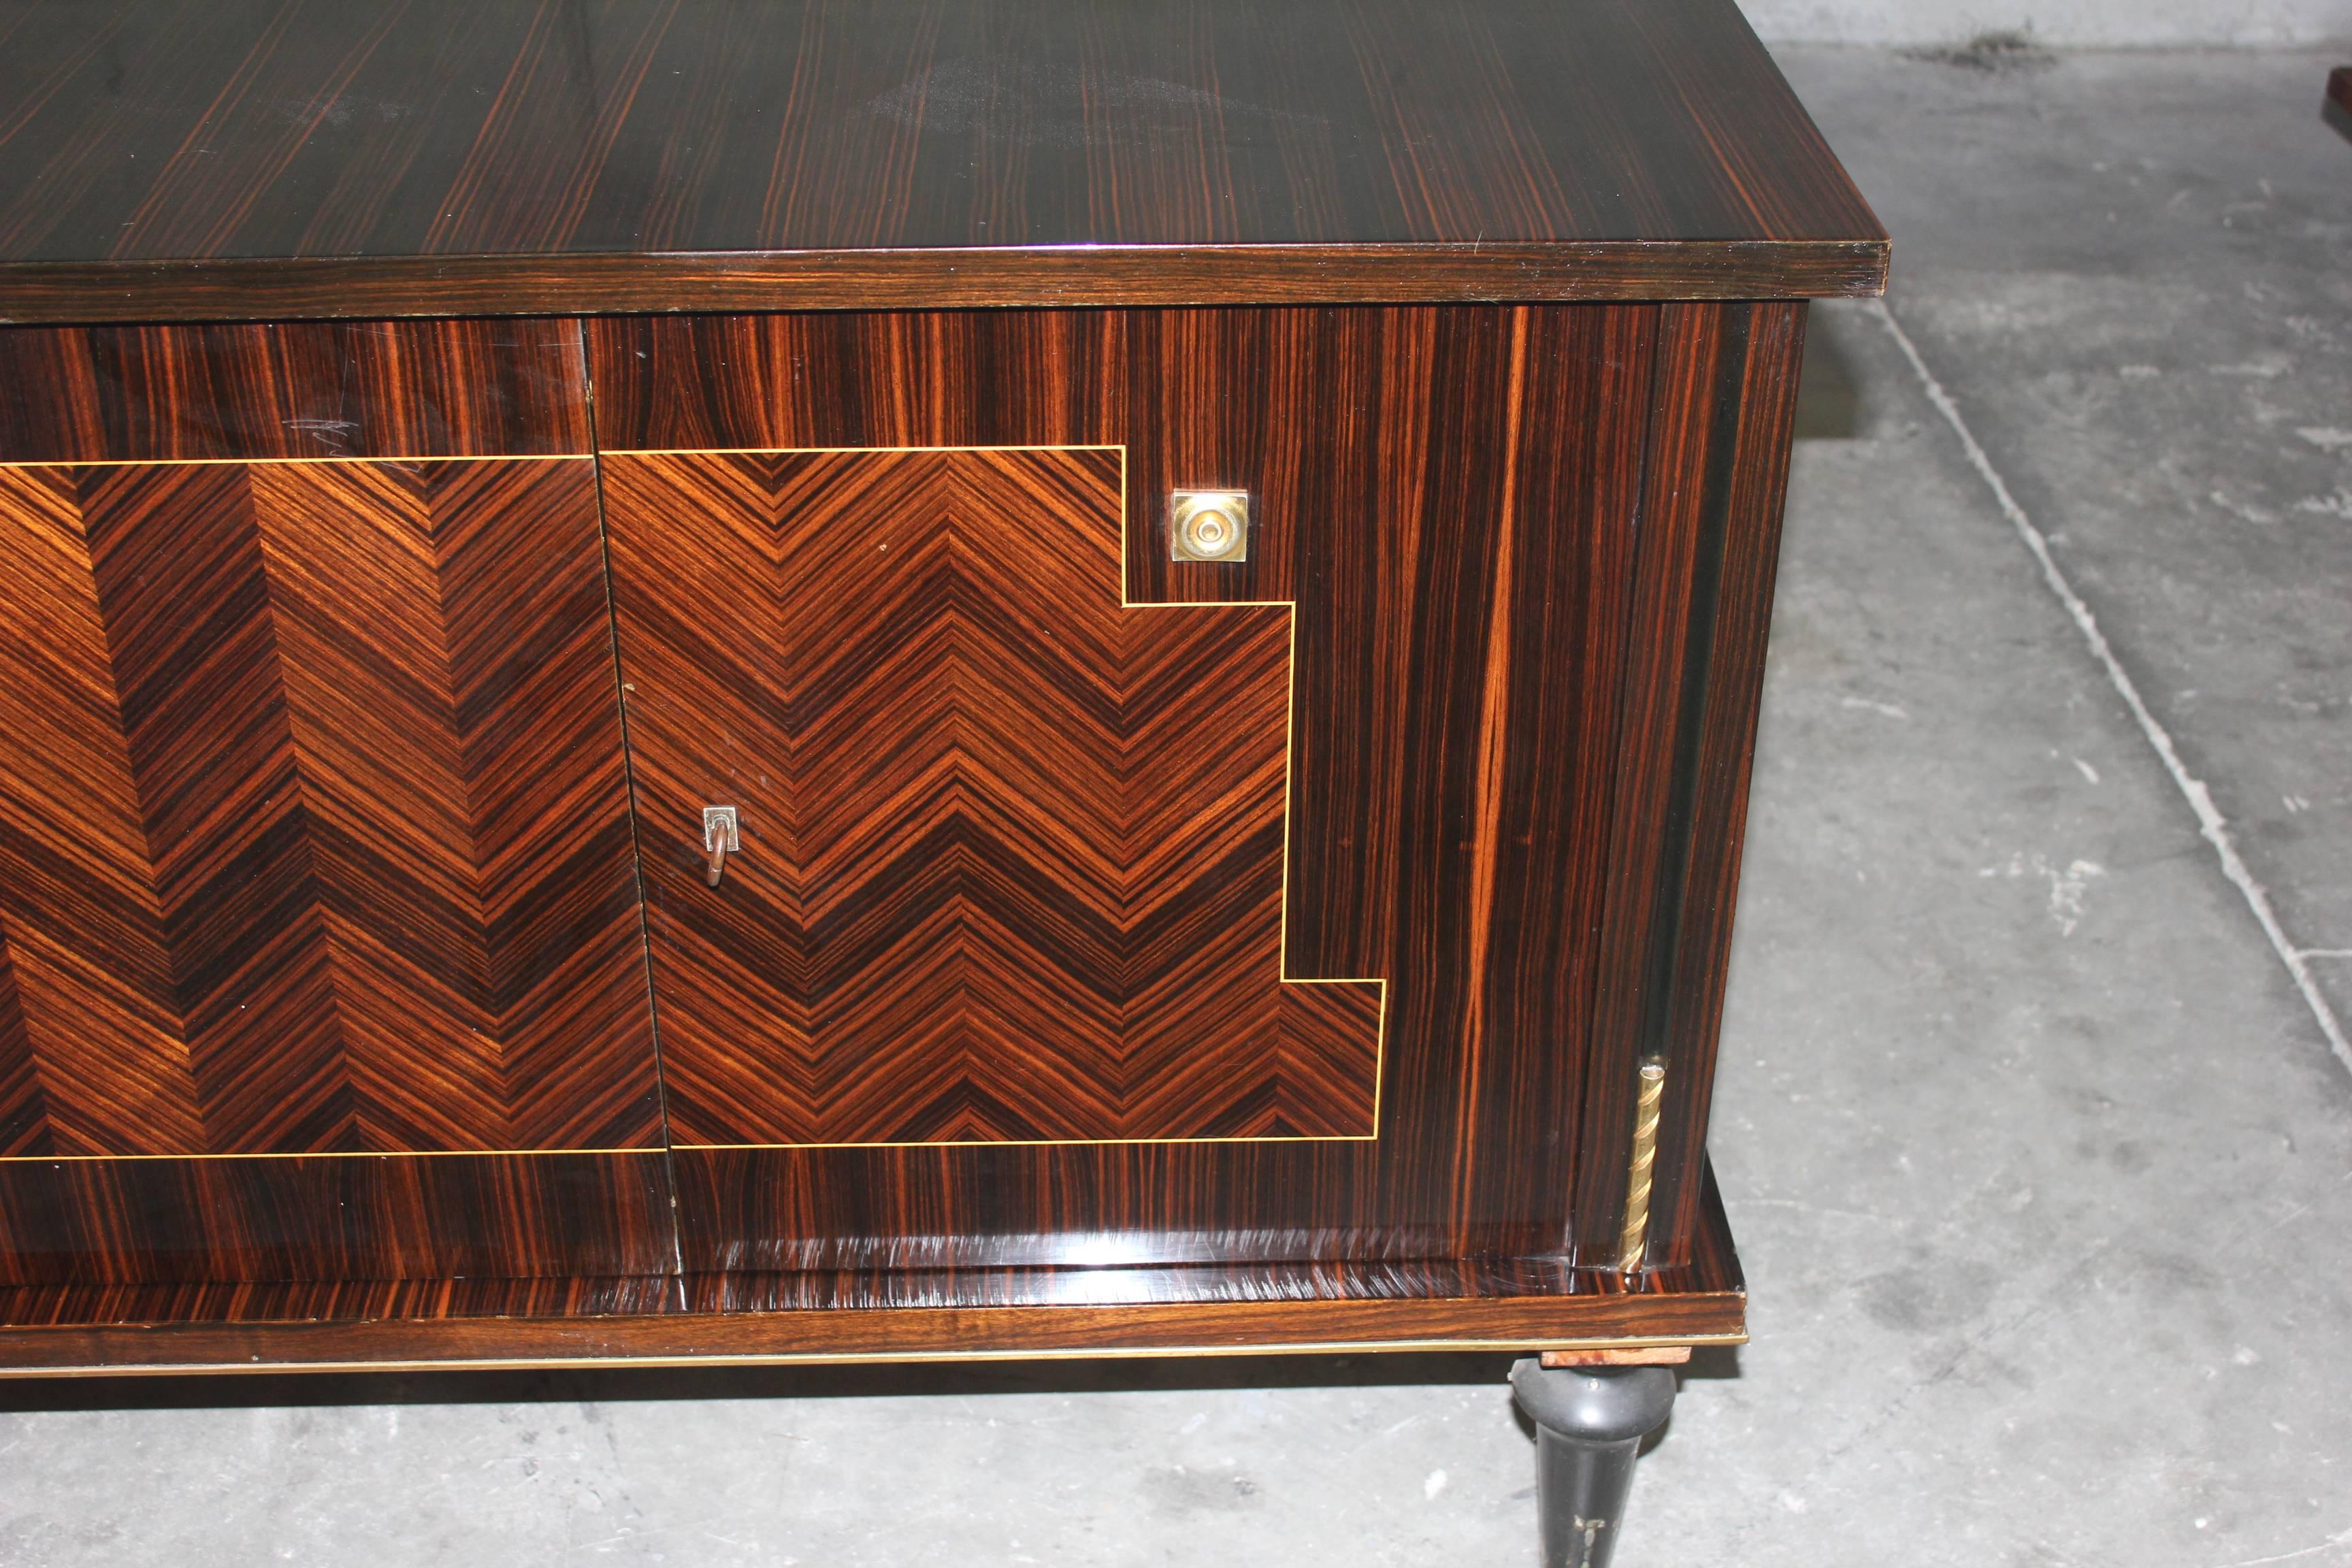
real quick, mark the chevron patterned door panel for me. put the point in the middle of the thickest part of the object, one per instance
(315, 844)
(320, 840)
(1012, 849)
(1093, 905)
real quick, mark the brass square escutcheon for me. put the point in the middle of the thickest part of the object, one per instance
(1208, 525)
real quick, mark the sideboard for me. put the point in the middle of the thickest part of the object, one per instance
(911, 679)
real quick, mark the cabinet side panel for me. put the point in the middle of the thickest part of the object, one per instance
(1721, 415)
(1721, 754)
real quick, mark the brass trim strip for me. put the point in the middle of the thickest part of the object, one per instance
(281, 462)
(1533, 1342)
(329, 1154)
(1290, 774)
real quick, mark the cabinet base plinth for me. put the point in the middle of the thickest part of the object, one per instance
(1531, 1305)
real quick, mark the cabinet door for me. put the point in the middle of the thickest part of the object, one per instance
(1011, 849)
(314, 832)
(1094, 906)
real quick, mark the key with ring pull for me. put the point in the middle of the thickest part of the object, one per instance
(722, 835)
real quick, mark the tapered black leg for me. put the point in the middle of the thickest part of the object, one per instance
(1588, 1421)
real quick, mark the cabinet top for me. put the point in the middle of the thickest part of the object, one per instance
(189, 159)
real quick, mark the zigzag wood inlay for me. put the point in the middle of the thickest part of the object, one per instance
(313, 828)
(1012, 854)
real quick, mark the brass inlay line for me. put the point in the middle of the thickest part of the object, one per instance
(803, 1358)
(819, 451)
(331, 1155)
(1290, 775)
(1636, 1238)
(1290, 749)
(395, 461)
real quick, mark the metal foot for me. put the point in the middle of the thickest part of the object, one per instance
(1588, 1421)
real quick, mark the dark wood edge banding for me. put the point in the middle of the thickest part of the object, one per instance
(914, 1334)
(1593, 1353)
(286, 288)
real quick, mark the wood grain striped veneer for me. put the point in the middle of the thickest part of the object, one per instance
(1013, 852)
(882, 1314)
(194, 159)
(1447, 497)
(313, 828)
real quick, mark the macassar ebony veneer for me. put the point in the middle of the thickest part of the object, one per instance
(620, 738)
(1090, 905)
(1445, 507)
(315, 839)
(1017, 877)
(207, 159)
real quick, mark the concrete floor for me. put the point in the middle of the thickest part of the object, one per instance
(2039, 1161)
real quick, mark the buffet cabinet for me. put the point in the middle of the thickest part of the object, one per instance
(930, 678)
(1313, 911)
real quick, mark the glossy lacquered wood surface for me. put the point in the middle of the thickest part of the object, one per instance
(1524, 1303)
(1448, 497)
(1528, 553)
(323, 1219)
(187, 158)
(1722, 410)
(314, 832)
(1012, 853)
(267, 391)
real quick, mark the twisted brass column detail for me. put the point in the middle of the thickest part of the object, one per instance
(1636, 1238)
